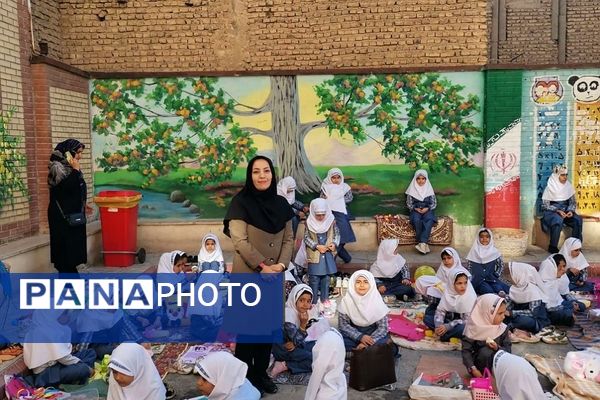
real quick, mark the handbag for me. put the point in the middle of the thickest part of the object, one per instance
(73, 219)
(372, 367)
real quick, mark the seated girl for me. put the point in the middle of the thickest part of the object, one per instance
(485, 334)
(223, 377)
(577, 266)
(362, 315)
(133, 375)
(430, 288)
(172, 262)
(210, 255)
(450, 260)
(295, 353)
(455, 306)
(516, 378)
(561, 306)
(421, 201)
(391, 270)
(54, 363)
(327, 381)
(485, 263)
(526, 308)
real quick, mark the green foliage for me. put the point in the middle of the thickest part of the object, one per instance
(12, 163)
(161, 124)
(424, 118)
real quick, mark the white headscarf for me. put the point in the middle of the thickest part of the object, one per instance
(556, 191)
(44, 324)
(428, 285)
(319, 206)
(443, 273)
(224, 371)
(284, 185)
(132, 359)
(578, 262)
(480, 324)
(454, 302)
(204, 255)
(363, 310)
(291, 311)
(552, 284)
(301, 258)
(483, 254)
(527, 284)
(388, 263)
(335, 192)
(167, 261)
(516, 378)
(420, 192)
(327, 381)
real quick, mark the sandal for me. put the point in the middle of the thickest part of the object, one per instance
(546, 331)
(523, 336)
(557, 338)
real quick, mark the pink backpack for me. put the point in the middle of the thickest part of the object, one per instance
(16, 387)
(403, 327)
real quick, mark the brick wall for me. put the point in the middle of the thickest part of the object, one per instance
(46, 15)
(272, 35)
(583, 31)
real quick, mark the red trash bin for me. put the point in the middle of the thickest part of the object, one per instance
(118, 216)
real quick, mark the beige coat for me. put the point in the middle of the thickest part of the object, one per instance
(254, 246)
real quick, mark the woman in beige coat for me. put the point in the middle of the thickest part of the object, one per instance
(259, 222)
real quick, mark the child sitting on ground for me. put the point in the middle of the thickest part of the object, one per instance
(485, 263)
(429, 287)
(327, 381)
(391, 271)
(455, 306)
(337, 193)
(450, 260)
(577, 266)
(133, 375)
(223, 377)
(48, 352)
(295, 353)
(561, 306)
(485, 334)
(362, 315)
(321, 238)
(210, 256)
(525, 303)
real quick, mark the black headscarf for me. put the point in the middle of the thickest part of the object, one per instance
(265, 210)
(71, 145)
(58, 167)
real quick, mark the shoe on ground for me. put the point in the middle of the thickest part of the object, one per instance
(338, 282)
(346, 282)
(426, 248)
(269, 386)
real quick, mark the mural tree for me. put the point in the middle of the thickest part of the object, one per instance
(161, 124)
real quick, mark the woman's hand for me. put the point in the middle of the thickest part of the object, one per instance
(440, 330)
(367, 340)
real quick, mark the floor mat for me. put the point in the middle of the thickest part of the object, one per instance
(167, 358)
(585, 333)
(433, 364)
(566, 388)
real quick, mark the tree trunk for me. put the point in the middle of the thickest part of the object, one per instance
(289, 134)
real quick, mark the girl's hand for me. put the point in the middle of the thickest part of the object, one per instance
(440, 330)
(289, 346)
(476, 373)
(574, 271)
(381, 289)
(367, 340)
(575, 306)
(322, 248)
(360, 346)
(493, 345)
(424, 210)
(331, 247)
(569, 214)
(406, 282)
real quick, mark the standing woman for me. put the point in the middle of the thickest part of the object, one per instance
(558, 204)
(259, 223)
(68, 247)
(421, 201)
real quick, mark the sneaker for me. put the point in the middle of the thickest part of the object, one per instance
(421, 248)
(338, 282)
(345, 283)
(426, 248)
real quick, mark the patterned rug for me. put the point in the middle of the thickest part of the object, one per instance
(399, 227)
(585, 333)
(166, 360)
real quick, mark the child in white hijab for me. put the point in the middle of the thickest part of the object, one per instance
(327, 381)
(577, 266)
(362, 315)
(485, 334)
(560, 305)
(321, 240)
(391, 272)
(133, 375)
(431, 288)
(455, 306)
(421, 201)
(54, 363)
(337, 193)
(211, 255)
(172, 262)
(450, 260)
(526, 308)
(286, 187)
(223, 377)
(295, 353)
(559, 206)
(485, 263)
(516, 379)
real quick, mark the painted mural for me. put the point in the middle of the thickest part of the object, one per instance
(184, 142)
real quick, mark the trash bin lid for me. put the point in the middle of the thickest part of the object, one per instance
(118, 198)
